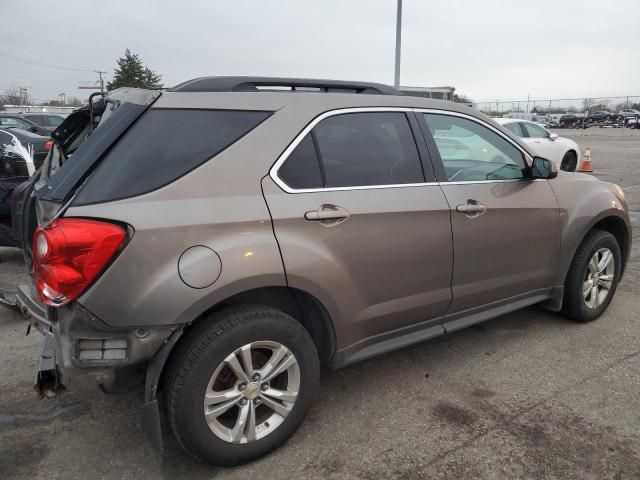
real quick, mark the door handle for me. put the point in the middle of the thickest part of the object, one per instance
(327, 214)
(472, 208)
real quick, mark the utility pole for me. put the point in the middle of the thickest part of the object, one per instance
(63, 97)
(24, 97)
(396, 80)
(101, 80)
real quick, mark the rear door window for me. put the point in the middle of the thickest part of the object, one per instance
(37, 119)
(368, 149)
(515, 128)
(534, 131)
(163, 145)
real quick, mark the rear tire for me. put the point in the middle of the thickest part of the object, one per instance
(581, 302)
(569, 162)
(209, 361)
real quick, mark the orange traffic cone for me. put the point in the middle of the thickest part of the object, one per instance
(585, 164)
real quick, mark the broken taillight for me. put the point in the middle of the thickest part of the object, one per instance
(69, 254)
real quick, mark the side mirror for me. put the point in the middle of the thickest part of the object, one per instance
(543, 168)
(553, 136)
(34, 129)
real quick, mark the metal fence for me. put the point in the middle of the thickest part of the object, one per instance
(551, 111)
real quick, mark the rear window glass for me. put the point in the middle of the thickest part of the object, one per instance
(163, 145)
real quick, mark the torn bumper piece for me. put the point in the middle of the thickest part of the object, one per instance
(47, 381)
(78, 348)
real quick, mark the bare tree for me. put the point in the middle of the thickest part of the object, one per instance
(11, 96)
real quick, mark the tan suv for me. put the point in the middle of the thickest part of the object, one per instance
(232, 234)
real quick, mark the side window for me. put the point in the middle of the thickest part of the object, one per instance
(534, 131)
(37, 119)
(23, 125)
(302, 168)
(514, 127)
(53, 121)
(8, 122)
(472, 152)
(368, 149)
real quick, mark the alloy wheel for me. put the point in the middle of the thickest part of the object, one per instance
(598, 278)
(251, 392)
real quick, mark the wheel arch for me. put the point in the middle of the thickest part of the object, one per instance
(299, 304)
(613, 223)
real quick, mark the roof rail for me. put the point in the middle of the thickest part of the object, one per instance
(253, 84)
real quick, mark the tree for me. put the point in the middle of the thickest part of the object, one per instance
(12, 97)
(131, 72)
(73, 102)
(463, 99)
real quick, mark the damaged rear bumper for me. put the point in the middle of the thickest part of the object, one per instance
(78, 348)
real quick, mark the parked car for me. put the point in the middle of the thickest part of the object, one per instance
(570, 120)
(600, 116)
(14, 120)
(563, 151)
(231, 242)
(15, 168)
(628, 113)
(48, 121)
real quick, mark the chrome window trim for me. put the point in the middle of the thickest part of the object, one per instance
(273, 172)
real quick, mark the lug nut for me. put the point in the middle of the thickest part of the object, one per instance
(265, 387)
(243, 402)
(257, 401)
(256, 376)
(242, 387)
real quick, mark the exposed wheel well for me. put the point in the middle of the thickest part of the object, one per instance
(300, 305)
(574, 156)
(616, 227)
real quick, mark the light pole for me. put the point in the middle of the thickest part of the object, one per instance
(396, 80)
(63, 96)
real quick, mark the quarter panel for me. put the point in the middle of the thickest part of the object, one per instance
(143, 285)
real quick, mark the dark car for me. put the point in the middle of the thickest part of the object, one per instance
(48, 121)
(600, 116)
(569, 120)
(16, 120)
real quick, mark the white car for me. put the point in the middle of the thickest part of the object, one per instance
(563, 151)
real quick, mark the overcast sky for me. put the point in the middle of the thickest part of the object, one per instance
(487, 49)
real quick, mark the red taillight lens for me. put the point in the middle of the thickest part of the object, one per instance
(69, 254)
(48, 144)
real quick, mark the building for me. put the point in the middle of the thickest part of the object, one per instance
(438, 93)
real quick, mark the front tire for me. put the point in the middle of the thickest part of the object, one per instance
(593, 277)
(240, 383)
